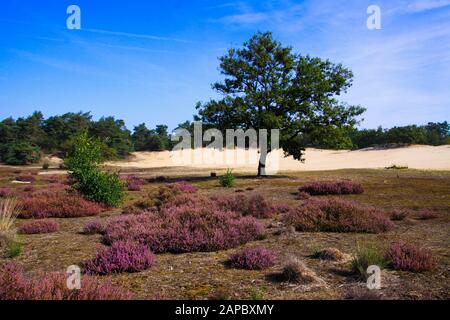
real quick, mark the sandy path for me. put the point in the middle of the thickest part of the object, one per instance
(415, 157)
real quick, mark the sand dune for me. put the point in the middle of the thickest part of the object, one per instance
(415, 157)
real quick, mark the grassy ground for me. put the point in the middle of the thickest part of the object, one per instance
(204, 275)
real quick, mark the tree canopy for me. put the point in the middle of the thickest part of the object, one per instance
(267, 86)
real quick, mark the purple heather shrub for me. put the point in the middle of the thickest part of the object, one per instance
(14, 285)
(57, 204)
(6, 193)
(26, 178)
(338, 215)
(257, 258)
(427, 215)
(39, 227)
(133, 183)
(185, 228)
(281, 208)
(122, 256)
(398, 215)
(28, 189)
(409, 257)
(183, 186)
(93, 227)
(254, 205)
(302, 195)
(332, 188)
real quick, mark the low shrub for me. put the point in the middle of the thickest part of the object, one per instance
(337, 215)
(253, 205)
(295, 271)
(227, 180)
(14, 249)
(365, 256)
(427, 215)
(28, 189)
(332, 188)
(257, 258)
(185, 228)
(399, 215)
(122, 256)
(409, 257)
(25, 178)
(133, 183)
(302, 195)
(93, 227)
(39, 227)
(57, 204)
(45, 165)
(6, 193)
(183, 187)
(15, 285)
(332, 254)
(281, 208)
(83, 162)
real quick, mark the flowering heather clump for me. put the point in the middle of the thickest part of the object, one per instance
(93, 227)
(338, 215)
(281, 208)
(409, 257)
(57, 204)
(25, 178)
(254, 205)
(6, 193)
(28, 189)
(399, 215)
(133, 183)
(122, 256)
(185, 228)
(303, 195)
(253, 259)
(14, 285)
(184, 187)
(427, 215)
(39, 227)
(332, 187)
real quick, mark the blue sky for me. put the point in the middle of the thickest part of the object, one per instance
(151, 61)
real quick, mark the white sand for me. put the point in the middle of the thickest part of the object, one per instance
(415, 157)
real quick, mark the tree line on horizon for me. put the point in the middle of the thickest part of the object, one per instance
(23, 141)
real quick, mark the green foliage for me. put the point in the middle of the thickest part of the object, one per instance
(45, 165)
(227, 180)
(267, 86)
(431, 134)
(114, 134)
(368, 255)
(20, 153)
(145, 139)
(95, 185)
(14, 249)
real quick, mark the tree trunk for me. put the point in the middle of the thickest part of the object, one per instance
(262, 165)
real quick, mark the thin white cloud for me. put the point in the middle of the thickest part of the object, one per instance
(245, 18)
(135, 35)
(425, 5)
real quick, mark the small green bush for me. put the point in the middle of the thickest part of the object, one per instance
(14, 249)
(83, 163)
(45, 165)
(227, 180)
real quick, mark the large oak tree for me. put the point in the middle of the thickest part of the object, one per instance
(267, 86)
